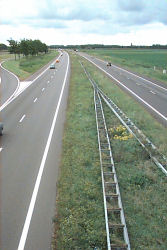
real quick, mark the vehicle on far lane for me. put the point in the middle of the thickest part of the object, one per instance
(52, 66)
(1, 128)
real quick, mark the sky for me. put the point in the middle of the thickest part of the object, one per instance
(121, 22)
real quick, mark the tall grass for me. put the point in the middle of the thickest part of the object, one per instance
(80, 216)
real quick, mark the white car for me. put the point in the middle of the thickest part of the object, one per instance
(52, 66)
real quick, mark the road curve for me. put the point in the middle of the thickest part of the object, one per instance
(30, 157)
(9, 84)
(150, 94)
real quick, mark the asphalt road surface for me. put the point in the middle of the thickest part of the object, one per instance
(9, 83)
(30, 155)
(151, 94)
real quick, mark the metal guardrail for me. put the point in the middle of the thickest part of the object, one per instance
(159, 159)
(116, 229)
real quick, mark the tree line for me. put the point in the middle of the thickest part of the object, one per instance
(102, 46)
(27, 47)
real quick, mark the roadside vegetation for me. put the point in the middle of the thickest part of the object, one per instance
(5, 55)
(141, 61)
(80, 216)
(26, 66)
(79, 222)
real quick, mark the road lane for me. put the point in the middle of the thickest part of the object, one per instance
(9, 84)
(23, 147)
(141, 89)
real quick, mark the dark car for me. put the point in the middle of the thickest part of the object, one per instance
(108, 64)
(1, 128)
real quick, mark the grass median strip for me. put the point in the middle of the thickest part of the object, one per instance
(142, 186)
(25, 67)
(80, 220)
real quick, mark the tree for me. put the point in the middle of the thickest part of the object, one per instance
(13, 49)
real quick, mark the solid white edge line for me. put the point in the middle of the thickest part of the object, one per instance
(38, 180)
(18, 85)
(22, 118)
(13, 97)
(134, 75)
(156, 111)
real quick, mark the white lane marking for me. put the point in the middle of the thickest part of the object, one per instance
(35, 99)
(152, 92)
(14, 96)
(0, 80)
(22, 118)
(41, 168)
(18, 86)
(133, 74)
(48, 81)
(51, 76)
(1, 149)
(147, 104)
(43, 89)
(138, 83)
(54, 73)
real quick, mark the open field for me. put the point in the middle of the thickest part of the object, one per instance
(5, 55)
(80, 215)
(25, 67)
(137, 60)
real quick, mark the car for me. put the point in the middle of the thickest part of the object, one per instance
(1, 128)
(108, 64)
(52, 66)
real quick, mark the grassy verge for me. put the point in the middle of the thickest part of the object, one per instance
(25, 67)
(131, 108)
(142, 184)
(137, 60)
(80, 216)
(5, 55)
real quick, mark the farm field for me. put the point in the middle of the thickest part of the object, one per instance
(138, 60)
(5, 55)
(80, 216)
(25, 67)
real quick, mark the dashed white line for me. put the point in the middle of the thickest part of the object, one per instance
(48, 81)
(22, 118)
(138, 83)
(51, 76)
(43, 89)
(35, 99)
(41, 168)
(152, 92)
(1, 149)
(54, 73)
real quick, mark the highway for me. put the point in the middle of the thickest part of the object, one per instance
(150, 93)
(30, 158)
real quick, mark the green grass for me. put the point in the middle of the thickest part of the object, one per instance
(80, 216)
(25, 67)
(143, 191)
(150, 127)
(5, 55)
(137, 60)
